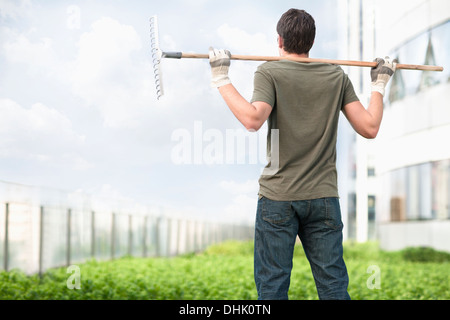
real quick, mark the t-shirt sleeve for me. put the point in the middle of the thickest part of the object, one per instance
(263, 88)
(349, 92)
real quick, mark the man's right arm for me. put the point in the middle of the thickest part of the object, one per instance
(366, 122)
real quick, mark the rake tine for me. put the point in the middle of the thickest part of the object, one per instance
(156, 56)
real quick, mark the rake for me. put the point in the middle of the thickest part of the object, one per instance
(158, 55)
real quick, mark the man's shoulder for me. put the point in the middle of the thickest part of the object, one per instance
(300, 66)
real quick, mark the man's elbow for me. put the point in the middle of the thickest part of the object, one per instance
(253, 125)
(370, 133)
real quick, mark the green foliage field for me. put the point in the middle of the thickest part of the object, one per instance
(225, 271)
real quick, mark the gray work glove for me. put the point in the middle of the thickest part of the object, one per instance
(382, 73)
(220, 63)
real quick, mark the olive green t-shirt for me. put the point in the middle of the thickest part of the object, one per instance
(306, 101)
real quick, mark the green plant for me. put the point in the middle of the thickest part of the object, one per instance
(425, 254)
(225, 272)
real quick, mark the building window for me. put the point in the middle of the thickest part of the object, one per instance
(429, 78)
(419, 192)
(397, 91)
(441, 189)
(431, 47)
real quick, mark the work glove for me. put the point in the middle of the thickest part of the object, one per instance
(220, 63)
(382, 73)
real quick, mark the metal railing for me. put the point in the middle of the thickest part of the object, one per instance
(36, 237)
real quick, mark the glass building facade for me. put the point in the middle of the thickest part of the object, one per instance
(396, 188)
(430, 48)
(419, 191)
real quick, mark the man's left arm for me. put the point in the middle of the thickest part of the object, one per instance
(251, 115)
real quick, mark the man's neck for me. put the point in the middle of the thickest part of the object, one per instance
(294, 55)
(286, 54)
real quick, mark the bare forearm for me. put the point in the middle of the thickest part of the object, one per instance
(375, 111)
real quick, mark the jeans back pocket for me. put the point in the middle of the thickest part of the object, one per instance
(276, 212)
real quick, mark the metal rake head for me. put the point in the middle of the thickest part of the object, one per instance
(156, 56)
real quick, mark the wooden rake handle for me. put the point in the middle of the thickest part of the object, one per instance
(179, 55)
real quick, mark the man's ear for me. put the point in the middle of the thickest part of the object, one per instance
(280, 42)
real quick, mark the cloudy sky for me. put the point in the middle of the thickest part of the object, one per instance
(78, 107)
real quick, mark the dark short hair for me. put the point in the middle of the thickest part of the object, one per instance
(298, 30)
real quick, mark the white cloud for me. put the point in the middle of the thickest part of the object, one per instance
(244, 199)
(105, 50)
(106, 75)
(39, 133)
(18, 121)
(14, 9)
(106, 198)
(24, 51)
(198, 3)
(241, 42)
(233, 187)
(242, 208)
(37, 54)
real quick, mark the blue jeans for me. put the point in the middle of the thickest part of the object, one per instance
(318, 224)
